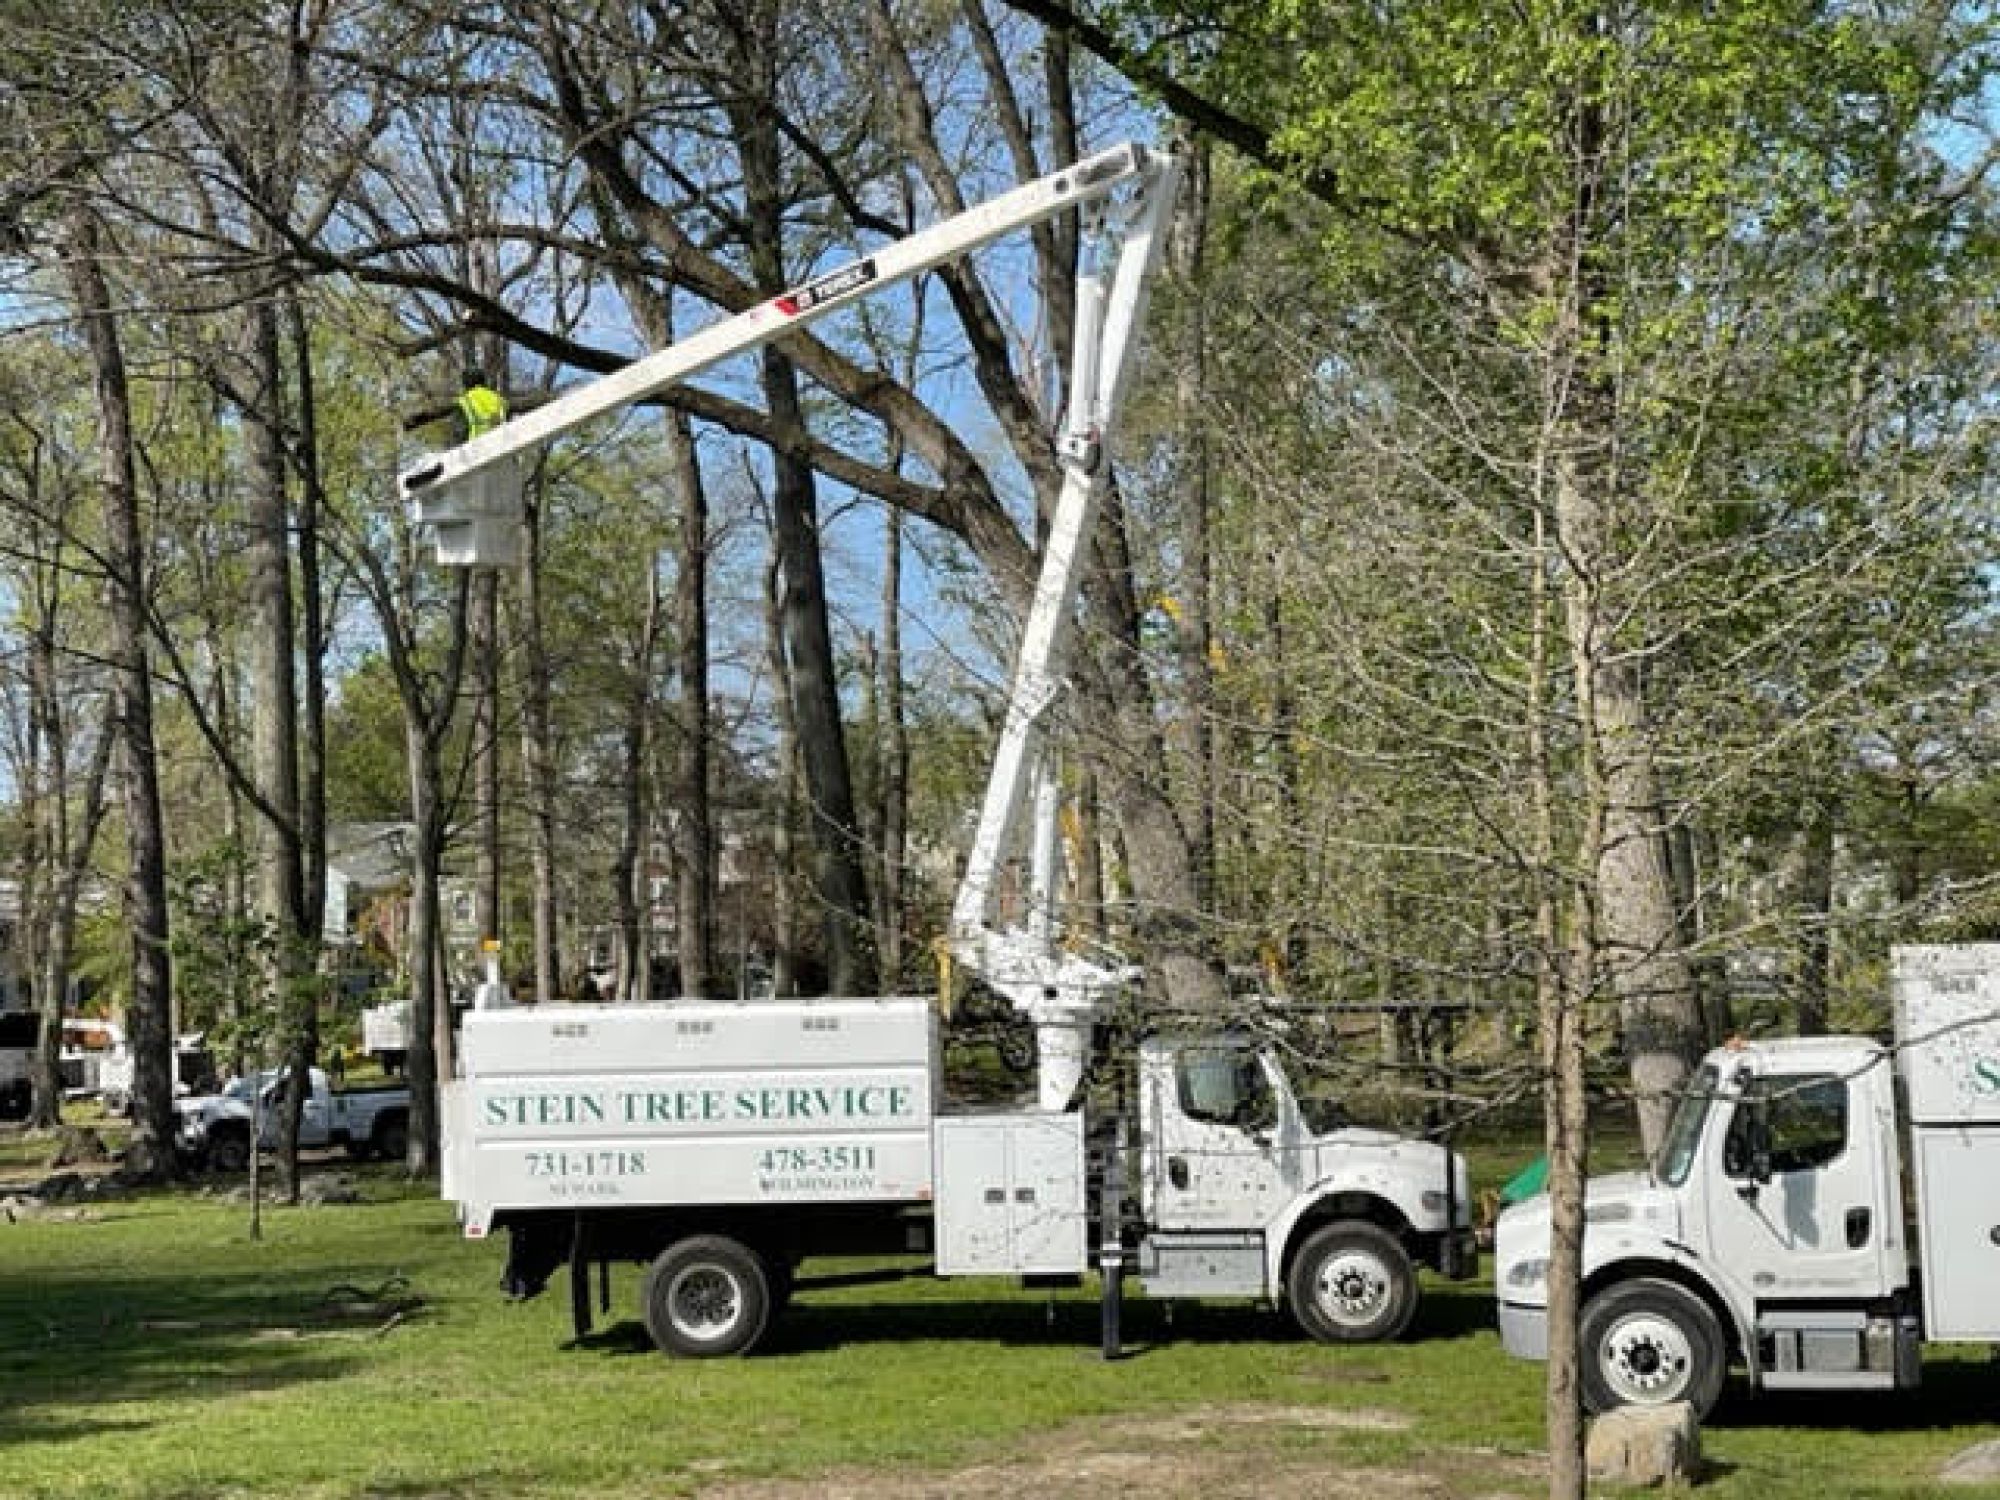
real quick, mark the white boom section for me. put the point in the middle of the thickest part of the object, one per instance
(947, 241)
(1063, 993)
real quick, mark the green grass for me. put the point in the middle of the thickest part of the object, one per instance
(156, 1352)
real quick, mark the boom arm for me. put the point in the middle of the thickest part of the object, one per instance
(470, 495)
(756, 326)
(1061, 992)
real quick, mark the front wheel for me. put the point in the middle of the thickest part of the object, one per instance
(229, 1151)
(1650, 1343)
(1352, 1283)
(707, 1296)
(391, 1139)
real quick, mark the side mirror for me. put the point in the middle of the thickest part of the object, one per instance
(1757, 1141)
(1259, 1114)
(1257, 1107)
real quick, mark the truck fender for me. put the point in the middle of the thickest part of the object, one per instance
(1360, 1195)
(1630, 1257)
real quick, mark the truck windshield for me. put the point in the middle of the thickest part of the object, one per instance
(1684, 1130)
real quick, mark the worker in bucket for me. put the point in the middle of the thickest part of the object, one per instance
(480, 407)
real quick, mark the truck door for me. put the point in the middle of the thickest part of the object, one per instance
(1215, 1159)
(315, 1118)
(1797, 1202)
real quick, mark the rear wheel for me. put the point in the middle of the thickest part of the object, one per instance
(707, 1296)
(391, 1140)
(1650, 1343)
(1352, 1283)
(229, 1151)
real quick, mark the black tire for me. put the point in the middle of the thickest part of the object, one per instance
(1352, 1283)
(1649, 1343)
(229, 1151)
(391, 1140)
(706, 1297)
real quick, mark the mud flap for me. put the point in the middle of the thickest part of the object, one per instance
(536, 1247)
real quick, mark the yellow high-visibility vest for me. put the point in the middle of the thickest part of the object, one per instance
(481, 409)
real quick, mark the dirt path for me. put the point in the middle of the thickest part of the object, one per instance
(1236, 1452)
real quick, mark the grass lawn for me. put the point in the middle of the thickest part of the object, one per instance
(155, 1351)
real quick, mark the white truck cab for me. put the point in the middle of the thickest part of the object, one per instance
(1771, 1230)
(1243, 1193)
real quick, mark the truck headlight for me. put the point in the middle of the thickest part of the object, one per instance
(1528, 1272)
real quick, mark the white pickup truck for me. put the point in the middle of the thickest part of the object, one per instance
(214, 1129)
(1820, 1208)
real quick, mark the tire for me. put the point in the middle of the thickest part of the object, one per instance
(1352, 1283)
(229, 1151)
(1649, 1343)
(706, 1297)
(391, 1140)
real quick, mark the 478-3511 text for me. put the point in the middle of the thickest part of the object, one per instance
(817, 1159)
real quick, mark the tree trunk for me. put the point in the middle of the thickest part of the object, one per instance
(1815, 913)
(784, 817)
(838, 878)
(839, 875)
(429, 1060)
(688, 782)
(312, 629)
(1167, 933)
(149, 1020)
(68, 852)
(41, 792)
(485, 646)
(538, 760)
(629, 885)
(1638, 938)
(1561, 989)
(893, 755)
(1193, 727)
(274, 725)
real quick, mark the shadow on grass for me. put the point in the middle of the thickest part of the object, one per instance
(1032, 1319)
(104, 1340)
(1956, 1392)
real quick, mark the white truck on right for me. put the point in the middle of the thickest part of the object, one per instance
(1820, 1207)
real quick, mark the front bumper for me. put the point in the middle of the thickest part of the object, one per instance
(1458, 1254)
(1524, 1330)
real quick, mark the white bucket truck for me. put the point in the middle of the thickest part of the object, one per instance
(724, 1143)
(721, 1144)
(1819, 1208)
